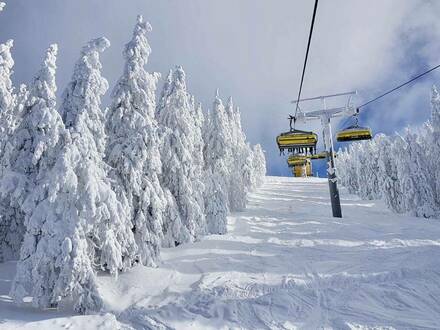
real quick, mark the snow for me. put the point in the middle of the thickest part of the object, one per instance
(284, 264)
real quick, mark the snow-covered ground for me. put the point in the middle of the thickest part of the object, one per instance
(285, 264)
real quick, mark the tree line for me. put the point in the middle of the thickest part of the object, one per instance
(86, 188)
(403, 169)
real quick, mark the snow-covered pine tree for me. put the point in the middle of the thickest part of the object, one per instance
(6, 91)
(259, 166)
(231, 121)
(362, 157)
(178, 174)
(174, 232)
(368, 169)
(133, 146)
(387, 174)
(432, 137)
(199, 161)
(6, 104)
(77, 222)
(246, 157)
(346, 172)
(359, 168)
(2, 6)
(352, 168)
(108, 225)
(38, 131)
(341, 164)
(435, 109)
(240, 157)
(54, 260)
(217, 137)
(199, 142)
(216, 197)
(11, 107)
(418, 194)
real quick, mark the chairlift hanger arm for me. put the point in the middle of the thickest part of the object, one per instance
(325, 96)
(327, 112)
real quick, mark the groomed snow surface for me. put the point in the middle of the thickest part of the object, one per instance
(284, 264)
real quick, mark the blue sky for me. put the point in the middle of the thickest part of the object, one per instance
(252, 50)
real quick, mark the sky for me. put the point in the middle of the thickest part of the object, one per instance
(252, 50)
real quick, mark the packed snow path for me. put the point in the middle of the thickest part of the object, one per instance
(285, 264)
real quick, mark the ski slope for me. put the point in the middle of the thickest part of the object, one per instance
(285, 264)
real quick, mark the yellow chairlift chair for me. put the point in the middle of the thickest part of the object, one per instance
(297, 141)
(354, 133)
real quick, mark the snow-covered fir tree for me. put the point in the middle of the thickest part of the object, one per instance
(179, 172)
(37, 132)
(174, 232)
(56, 264)
(432, 139)
(238, 160)
(388, 176)
(199, 161)
(46, 259)
(75, 221)
(217, 134)
(6, 91)
(12, 180)
(216, 197)
(217, 154)
(259, 166)
(199, 120)
(435, 109)
(417, 191)
(133, 146)
(109, 228)
(6, 105)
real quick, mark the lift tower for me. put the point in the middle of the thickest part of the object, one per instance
(325, 115)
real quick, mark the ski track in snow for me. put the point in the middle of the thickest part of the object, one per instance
(284, 264)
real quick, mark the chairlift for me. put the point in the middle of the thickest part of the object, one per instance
(297, 141)
(301, 165)
(354, 133)
(320, 155)
(297, 160)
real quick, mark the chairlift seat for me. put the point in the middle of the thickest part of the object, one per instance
(354, 133)
(321, 155)
(297, 160)
(296, 139)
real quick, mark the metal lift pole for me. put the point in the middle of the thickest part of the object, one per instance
(331, 172)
